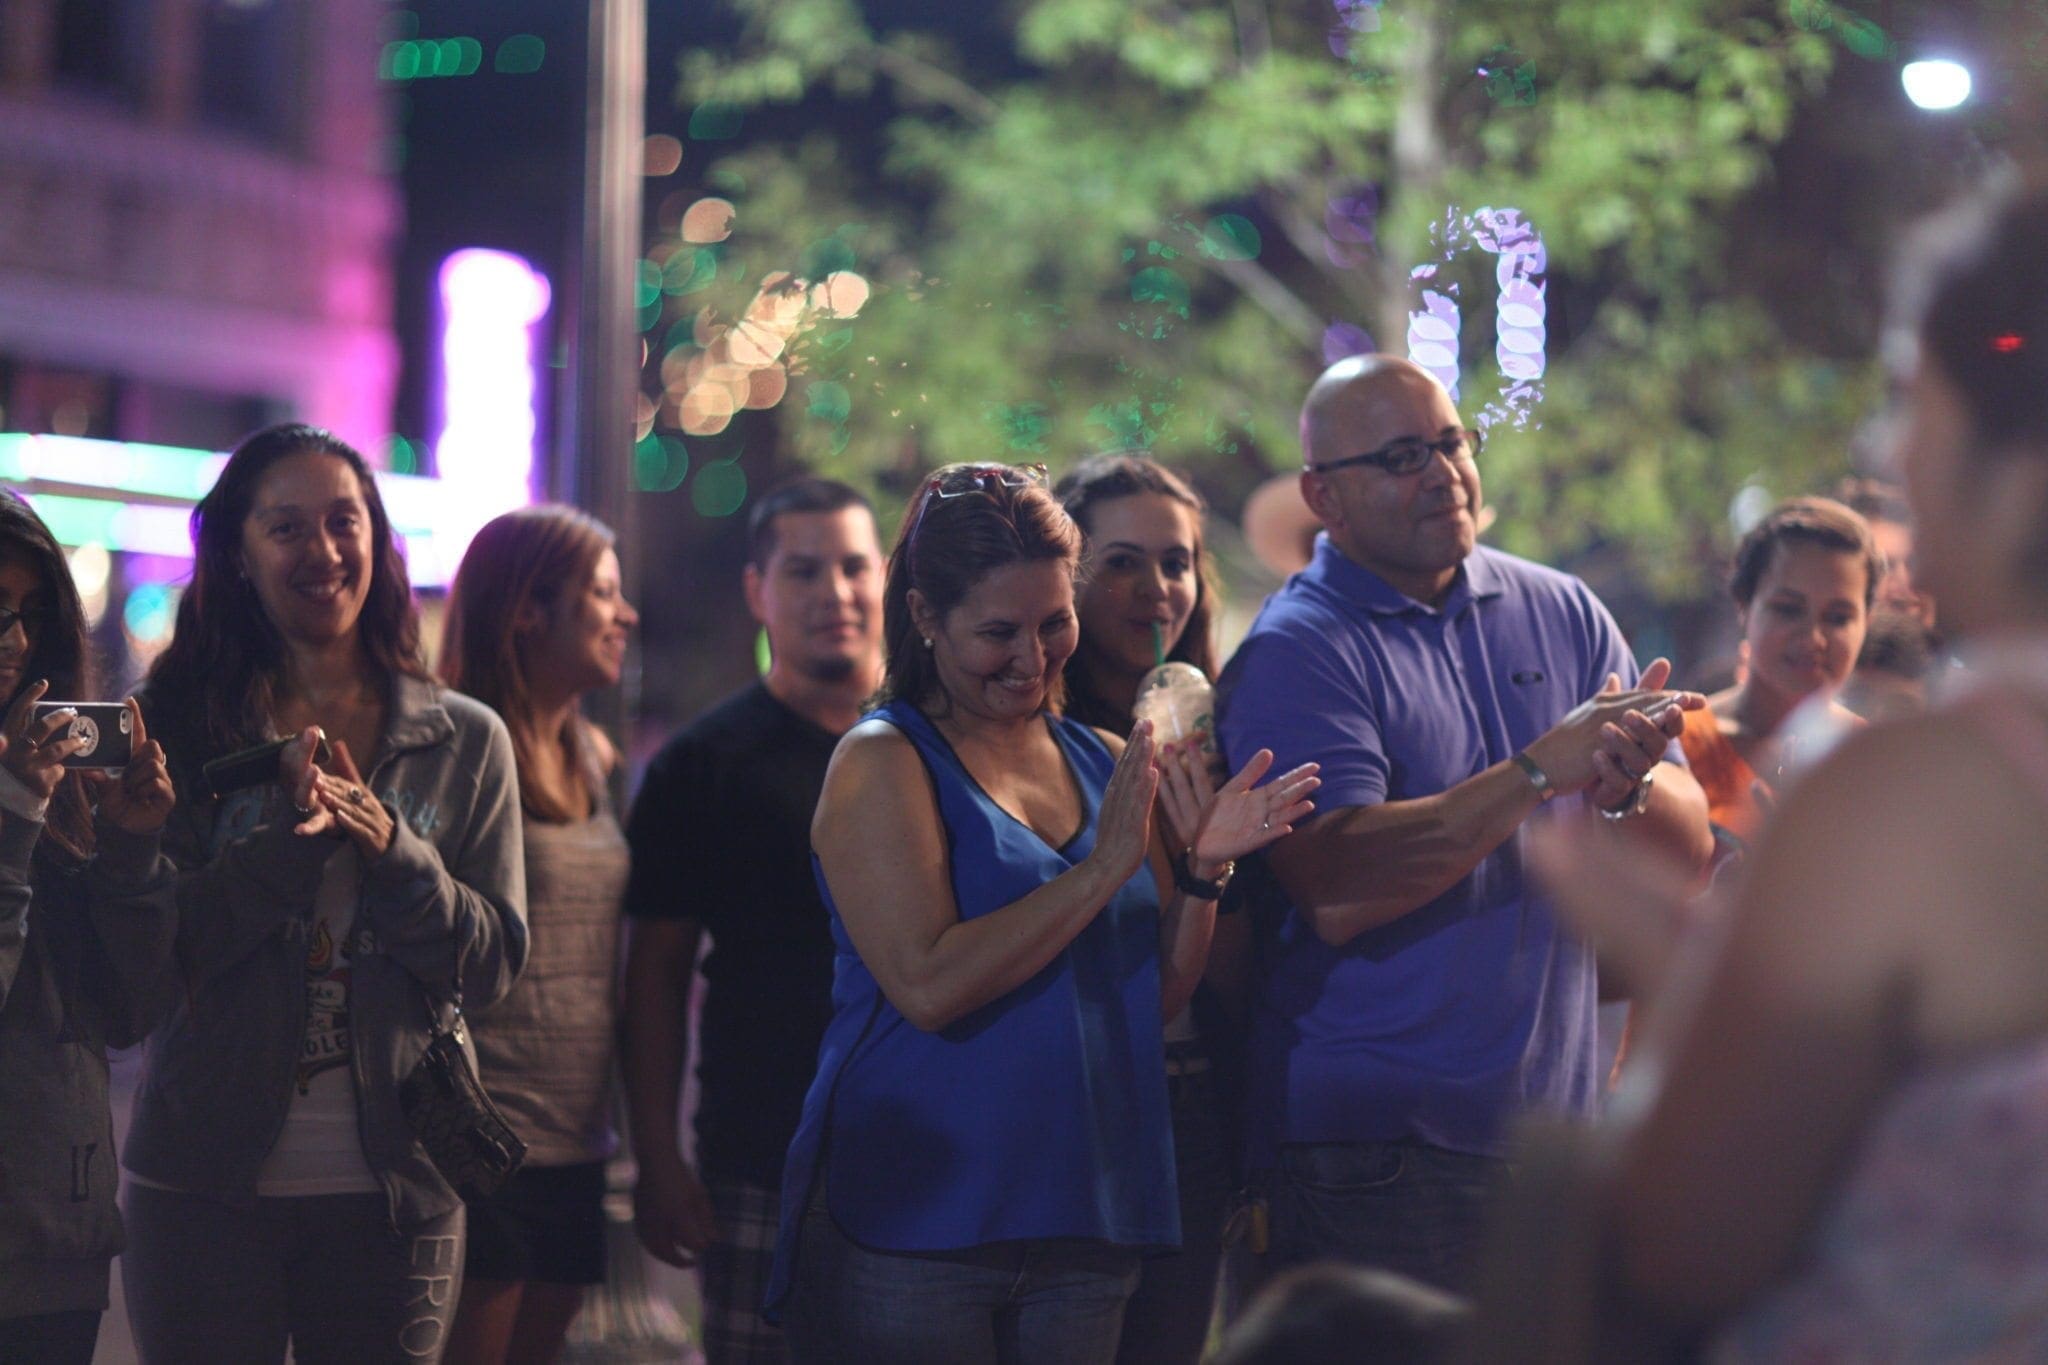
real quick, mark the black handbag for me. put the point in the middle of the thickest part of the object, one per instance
(452, 1115)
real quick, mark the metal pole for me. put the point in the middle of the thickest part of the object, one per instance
(598, 439)
(623, 1319)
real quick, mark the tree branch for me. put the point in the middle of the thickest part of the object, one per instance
(1278, 302)
(933, 82)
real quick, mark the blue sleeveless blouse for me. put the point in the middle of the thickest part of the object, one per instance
(1041, 1114)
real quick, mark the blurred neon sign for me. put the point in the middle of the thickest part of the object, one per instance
(67, 479)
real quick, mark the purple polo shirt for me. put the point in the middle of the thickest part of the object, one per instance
(1447, 1022)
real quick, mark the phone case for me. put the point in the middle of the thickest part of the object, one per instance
(102, 726)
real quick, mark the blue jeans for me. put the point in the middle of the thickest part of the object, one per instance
(1056, 1301)
(1407, 1207)
(1167, 1320)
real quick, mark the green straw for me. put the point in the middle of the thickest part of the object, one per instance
(1158, 644)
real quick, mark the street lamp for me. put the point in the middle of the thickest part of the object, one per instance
(1936, 83)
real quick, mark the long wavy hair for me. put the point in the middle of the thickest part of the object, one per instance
(1083, 491)
(533, 556)
(59, 651)
(217, 680)
(966, 521)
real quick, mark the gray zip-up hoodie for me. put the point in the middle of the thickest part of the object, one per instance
(84, 956)
(449, 893)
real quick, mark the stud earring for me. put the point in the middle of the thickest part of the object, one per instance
(927, 642)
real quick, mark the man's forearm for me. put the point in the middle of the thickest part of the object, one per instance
(1360, 868)
(654, 1042)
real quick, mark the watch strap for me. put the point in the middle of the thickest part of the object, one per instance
(1190, 885)
(1538, 779)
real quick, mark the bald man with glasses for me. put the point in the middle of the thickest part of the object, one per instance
(1416, 993)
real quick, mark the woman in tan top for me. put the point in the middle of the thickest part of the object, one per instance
(536, 618)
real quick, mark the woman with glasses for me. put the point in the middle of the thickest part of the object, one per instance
(985, 1151)
(1147, 599)
(536, 618)
(332, 920)
(87, 913)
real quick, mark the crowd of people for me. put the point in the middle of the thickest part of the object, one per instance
(1031, 1032)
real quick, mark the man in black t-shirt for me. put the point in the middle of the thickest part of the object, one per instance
(721, 838)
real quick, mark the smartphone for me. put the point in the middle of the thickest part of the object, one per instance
(250, 767)
(103, 729)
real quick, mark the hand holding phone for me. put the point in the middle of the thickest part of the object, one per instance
(140, 798)
(101, 732)
(254, 766)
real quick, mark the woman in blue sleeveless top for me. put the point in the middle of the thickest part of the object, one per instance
(985, 1151)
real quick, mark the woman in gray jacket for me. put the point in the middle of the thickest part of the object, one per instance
(86, 918)
(326, 920)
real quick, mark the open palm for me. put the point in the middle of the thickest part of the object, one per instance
(1238, 818)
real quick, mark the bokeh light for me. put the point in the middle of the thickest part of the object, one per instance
(1231, 237)
(149, 613)
(708, 220)
(715, 121)
(706, 409)
(719, 489)
(661, 154)
(520, 55)
(1936, 83)
(91, 567)
(842, 294)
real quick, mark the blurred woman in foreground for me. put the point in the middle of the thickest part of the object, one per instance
(1843, 1158)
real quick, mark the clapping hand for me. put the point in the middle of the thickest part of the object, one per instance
(1608, 742)
(1239, 817)
(140, 799)
(1123, 827)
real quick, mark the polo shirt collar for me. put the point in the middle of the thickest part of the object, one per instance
(1477, 578)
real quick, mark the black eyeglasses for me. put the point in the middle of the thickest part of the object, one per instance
(1408, 454)
(987, 479)
(8, 616)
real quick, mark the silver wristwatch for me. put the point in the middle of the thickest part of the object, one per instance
(1638, 801)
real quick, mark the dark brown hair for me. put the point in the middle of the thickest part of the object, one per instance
(1973, 289)
(217, 679)
(538, 555)
(806, 494)
(1103, 479)
(966, 521)
(58, 652)
(1820, 522)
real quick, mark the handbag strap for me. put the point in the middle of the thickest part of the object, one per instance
(434, 1024)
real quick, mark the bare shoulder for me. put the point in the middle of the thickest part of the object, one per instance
(1111, 740)
(874, 774)
(1893, 845)
(604, 754)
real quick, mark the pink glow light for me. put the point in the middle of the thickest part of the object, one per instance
(490, 303)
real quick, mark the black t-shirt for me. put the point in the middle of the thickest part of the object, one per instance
(721, 834)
